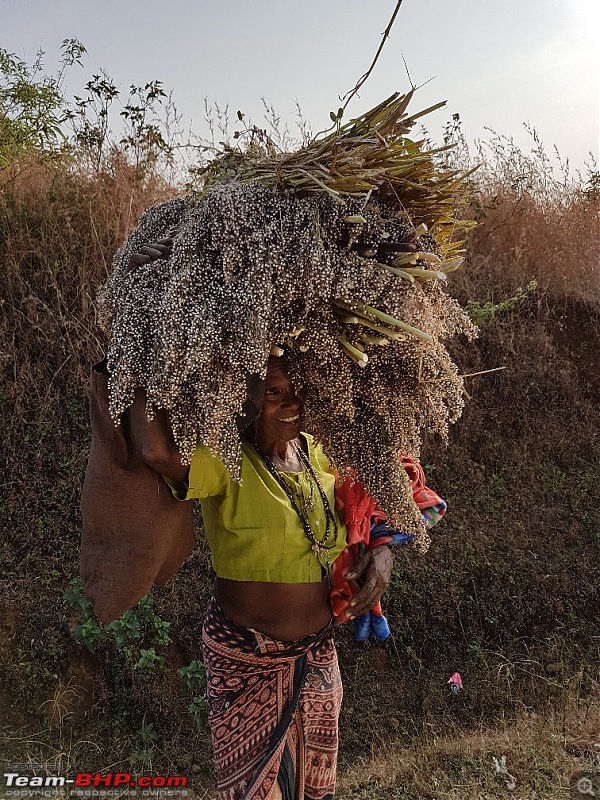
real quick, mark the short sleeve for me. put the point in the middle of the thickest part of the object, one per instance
(319, 456)
(207, 477)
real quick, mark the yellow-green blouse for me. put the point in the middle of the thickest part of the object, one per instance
(253, 531)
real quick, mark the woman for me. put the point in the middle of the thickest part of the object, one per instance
(273, 683)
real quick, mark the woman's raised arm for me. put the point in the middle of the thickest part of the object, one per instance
(153, 440)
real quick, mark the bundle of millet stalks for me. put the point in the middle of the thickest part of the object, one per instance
(338, 251)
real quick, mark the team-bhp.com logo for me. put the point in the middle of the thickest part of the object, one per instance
(91, 784)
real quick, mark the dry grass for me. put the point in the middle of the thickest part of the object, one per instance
(60, 228)
(509, 587)
(533, 224)
(520, 239)
(542, 751)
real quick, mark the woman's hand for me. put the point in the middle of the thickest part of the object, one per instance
(153, 440)
(151, 252)
(376, 566)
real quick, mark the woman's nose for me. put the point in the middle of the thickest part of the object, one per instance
(292, 398)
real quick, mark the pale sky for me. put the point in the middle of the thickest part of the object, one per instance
(498, 63)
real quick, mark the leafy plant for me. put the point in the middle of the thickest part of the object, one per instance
(135, 626)
(74, 594)
(145, 137)
(89, 117)
(161, 630)
(124, 629)
(197, 709)
(483, 314)
(89, 634)
(193, 676)
(149, 661)
(149, 737)
(194, 680)
(32, 105)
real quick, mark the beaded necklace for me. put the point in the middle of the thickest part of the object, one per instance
(317, 546)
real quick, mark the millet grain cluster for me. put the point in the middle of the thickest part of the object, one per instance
(252, 267)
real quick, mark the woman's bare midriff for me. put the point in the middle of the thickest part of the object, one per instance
(283, 611)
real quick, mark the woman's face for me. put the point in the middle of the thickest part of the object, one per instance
(283, 408)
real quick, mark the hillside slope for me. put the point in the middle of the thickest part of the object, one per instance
(508, 594)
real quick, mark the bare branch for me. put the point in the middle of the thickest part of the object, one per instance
(349, 95)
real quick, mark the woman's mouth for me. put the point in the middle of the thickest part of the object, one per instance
(289, 420)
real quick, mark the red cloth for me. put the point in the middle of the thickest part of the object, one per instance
(423, 496)
(359, 512)
(357, 508)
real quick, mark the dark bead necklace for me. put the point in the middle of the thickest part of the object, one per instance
(317, 546)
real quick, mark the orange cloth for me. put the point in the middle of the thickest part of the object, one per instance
(423, 496)
(360, 512)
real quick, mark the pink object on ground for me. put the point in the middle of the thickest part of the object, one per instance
(455, 682)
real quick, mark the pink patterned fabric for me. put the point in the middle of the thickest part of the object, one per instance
(273, 711)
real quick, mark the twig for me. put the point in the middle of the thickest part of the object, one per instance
(482, 372)
(467, 375)
(349, 95)
(407, 72)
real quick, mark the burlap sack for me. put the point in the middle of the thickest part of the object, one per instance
(134, 531)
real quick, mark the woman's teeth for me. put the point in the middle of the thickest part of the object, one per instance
(289, 420)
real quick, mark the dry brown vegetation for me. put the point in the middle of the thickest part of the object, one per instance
(508, 594)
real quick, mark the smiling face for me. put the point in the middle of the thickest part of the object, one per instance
(282, 410)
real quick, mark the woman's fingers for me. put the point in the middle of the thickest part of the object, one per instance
(155, 250)
(371, 591)
(361, 565)
(151, 252)
(362, 603)
(163, 245)
(378, 571)
(138, 260)
(386, 248)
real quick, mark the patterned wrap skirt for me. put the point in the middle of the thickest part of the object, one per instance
(273, 709)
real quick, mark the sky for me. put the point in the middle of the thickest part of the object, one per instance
(499, 64)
